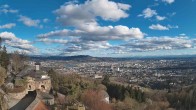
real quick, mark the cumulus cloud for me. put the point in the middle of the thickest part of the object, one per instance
(160, 18)
(155, 43)
(6, 9)
(87, 34)
(28, 21)
(71, 14)
(7, 26)
(133, 45)
(46, 40)
(74, 45)
(161, 27)
(158, 27)
(85, 21)
(84, 46)
(148, 13)
(11, 40)
(169, 1)
(98, 33)
(174, 27)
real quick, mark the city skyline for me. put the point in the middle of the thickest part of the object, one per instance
(102, 28)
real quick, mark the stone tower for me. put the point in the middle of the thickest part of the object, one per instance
(37, 66)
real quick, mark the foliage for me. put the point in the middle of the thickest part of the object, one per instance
(93, 100)
(127, 104)
(20, 82)
(4, 62)
(184, 99)
(120, 92)
(71, 85)
(18, 61)
(106, 79)
(54, 79)
(2, 75)
(3, 103)
(4, 57)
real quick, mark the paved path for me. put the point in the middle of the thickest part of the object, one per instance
(25, 102)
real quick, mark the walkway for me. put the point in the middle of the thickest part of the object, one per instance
(25, 102)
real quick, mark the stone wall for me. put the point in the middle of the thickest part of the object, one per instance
(33, 104)
(19, 95)
(43, 85)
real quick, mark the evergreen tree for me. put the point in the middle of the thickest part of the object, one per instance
(106, 79)
(4, 59)
(139, 96)
(0, 42)
(54, 77)
(2, 75)
(126, 94)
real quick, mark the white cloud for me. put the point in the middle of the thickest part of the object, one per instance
(7, 26)
(86, 24)
(46, 40)
(98, 33)
(161, 27)
(71, 14)
(160, 18)
(156, 43)
(45, 20)
(158, 27)
(11, 40)
(148, 13)
(169, 1)
(183, 34)
(87, 34)
(175, 27)
(6, 9)
(171, 14)
(28, 21)
(84, 46)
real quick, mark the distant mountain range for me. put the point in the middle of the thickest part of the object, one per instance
(79, 58)
(82, 58)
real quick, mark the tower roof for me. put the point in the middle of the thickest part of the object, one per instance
(37, 63)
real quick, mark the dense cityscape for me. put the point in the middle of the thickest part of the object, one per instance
(154, 73)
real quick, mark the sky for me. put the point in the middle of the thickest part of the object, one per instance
(101, 28)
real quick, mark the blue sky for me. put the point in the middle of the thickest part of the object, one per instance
(118, 28)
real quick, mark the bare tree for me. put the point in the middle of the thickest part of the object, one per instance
(2, 75)
(18, 61)
(93, 99)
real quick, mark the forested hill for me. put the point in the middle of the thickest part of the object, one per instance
(82, 58)
(79, 58)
